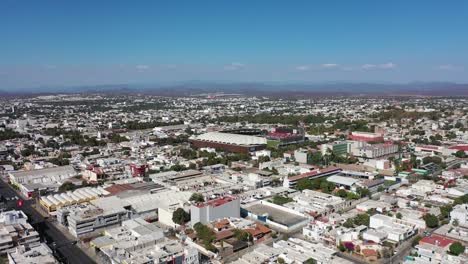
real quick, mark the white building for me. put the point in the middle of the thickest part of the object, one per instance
(317, 202)
(37, 254)
(397, 230)
(44, 176)
(86, 219)
(16, 231)
(215, 209)
(165, 251)
(460, 213)
(379, 206)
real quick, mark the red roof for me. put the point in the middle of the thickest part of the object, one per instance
(217, 202)
(117, 188)
(369, 252)
(258, 230)
(436, 240)
(222, 224)
(428, 147)
(464, 147)
(224, 234)
(282, 135)
(313, 173)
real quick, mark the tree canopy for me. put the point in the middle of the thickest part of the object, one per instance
(456, 248)
(197, 198)
(180, 217)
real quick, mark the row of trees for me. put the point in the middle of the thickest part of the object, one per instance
(360, 219)
(136, 125)
(7, 134)
(266, 118)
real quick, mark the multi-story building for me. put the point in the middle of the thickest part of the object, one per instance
(372, 151)
(16, 231)
(37, 254)
(397, 230)
(339, 148)
(460, 214)
(85, 219)
(216, 209)
(317, 203)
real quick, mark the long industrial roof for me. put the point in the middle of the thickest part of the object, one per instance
(342, 180)
(233, 139)
(73, 197)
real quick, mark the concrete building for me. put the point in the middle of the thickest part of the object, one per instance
(379, 206)
(229, 142)
(434, 248)
(215, 209)
(293, 250)
(339, 148)
(86, 219)
(32, 180)
(37, 254)
(51, 202)
(317, 173)
(317, 203)
(276, 216)
(16, 231)
(372, 151)
(460, 213)
(396, 229)
(301, 156)
(344, 182)
(165, 251)
(133, 236)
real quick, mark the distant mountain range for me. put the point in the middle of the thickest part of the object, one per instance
(287, 89)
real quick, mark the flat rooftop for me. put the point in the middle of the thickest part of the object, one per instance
(276, 215)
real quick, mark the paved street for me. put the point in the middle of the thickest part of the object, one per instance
(66, 250)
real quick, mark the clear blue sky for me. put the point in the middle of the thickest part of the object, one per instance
(64, 43)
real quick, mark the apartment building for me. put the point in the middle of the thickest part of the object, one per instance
(16, 231)
(216, 209)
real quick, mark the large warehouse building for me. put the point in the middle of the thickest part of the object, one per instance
(229, 142)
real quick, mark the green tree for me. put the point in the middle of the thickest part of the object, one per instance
(352, 196)
(197, 198)
(398, 215)
(280, 200)
(327, 187)
(456, 248)
(275, 181)
(242, 235)
(362, 219)
(416, 240)
(460, 154)
(304, 184)
(341, 193)
(461, 200)
(310, 261)
(180, 217)
(204, 233)
(431, 220)
(445, 211)
(348, 223)
(66, 186)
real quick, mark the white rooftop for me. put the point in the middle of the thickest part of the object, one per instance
(234, 139)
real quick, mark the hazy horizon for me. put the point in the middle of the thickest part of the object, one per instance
(87, 43)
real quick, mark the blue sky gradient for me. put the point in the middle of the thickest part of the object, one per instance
(66, 43)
